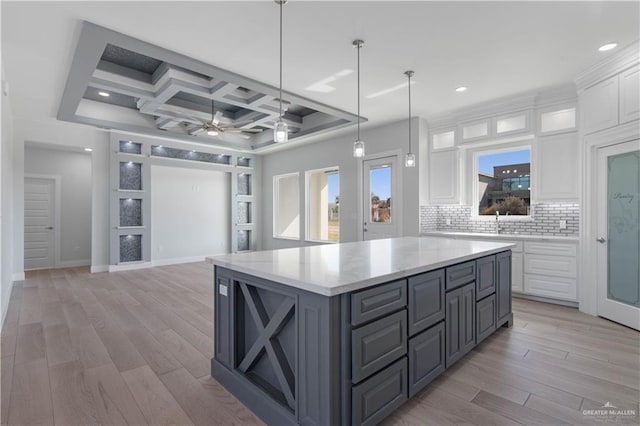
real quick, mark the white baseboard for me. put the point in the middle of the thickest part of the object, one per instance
(18, 276)
(129, 266)
(74, 263)
(177, 260)
(99, 268)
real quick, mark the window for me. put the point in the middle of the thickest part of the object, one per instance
(323, 205)
(286, 206)
(504, 182)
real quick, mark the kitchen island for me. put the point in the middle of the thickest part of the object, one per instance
(346, 333)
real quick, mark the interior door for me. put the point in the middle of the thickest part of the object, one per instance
(379, 184)
(618, 238)
(39, 198)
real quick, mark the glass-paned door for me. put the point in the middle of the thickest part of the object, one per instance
(380, 211)
(618, 236)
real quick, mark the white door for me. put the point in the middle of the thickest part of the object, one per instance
(379, 211)
(618, 238)
(39, 218)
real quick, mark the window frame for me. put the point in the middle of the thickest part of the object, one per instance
(307, 202)
(276, 205)
(498, 149)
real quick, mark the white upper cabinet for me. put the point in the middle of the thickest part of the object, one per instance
(443, 140)
(557, 120)
(444, 177)
(513, 123)
(557, 168)
(630, 95)
(474, 131)
(599, 106)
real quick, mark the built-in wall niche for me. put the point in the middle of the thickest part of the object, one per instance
(130, 212)
(130, 176)
(130, 248)
(243, 212)
(244, 240)
(244, 162)
(129, 147)
(189, 154)
(244, 184)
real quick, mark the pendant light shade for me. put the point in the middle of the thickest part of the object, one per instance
(280, 129)
(410, 158)
(358, 145)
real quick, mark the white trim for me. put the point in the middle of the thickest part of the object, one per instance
(99, 268)
(74, 263)
(587, 273)
(17, 276)
(130, 266)
(545, 299)
(307, 221)
(177, 260)
(276, 198)
(612, 65)
(57, 207)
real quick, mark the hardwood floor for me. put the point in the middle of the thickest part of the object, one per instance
(134, 348)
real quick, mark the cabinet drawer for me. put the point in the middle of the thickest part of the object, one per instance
(550, 265)
(378, 301)
(426, 300)
(377, 344)
(460, 274)
(554, 287)
(551, 249)
(426, 358)
(376, 398)
(485, 318)
(486, 277)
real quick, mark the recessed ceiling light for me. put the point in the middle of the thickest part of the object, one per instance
(461, 89)
(88, 149)
(105, 94)
(607, 46)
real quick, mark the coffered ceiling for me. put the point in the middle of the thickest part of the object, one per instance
(496, 49)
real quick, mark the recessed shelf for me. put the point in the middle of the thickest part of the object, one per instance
(130, 147)
(130, 175)
(130, 248)
(130, 227)
(190, 155)
(244, 240)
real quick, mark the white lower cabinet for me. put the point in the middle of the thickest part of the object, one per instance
(552, 274)
(517, 278)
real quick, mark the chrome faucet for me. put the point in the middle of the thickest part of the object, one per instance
(497, 221)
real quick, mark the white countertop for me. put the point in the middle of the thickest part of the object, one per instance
(486, 235)
(333, 269)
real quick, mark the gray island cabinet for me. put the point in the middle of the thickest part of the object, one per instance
(344, 334)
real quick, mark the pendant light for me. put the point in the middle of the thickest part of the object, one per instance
(280, 129)
(358, 145)
(410, 158)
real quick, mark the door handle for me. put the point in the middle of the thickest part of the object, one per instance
(49, 227)
(601, 240)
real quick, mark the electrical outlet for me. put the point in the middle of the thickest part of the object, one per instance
(563, 224)
(447, 221)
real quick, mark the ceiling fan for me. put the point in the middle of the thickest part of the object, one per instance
(215, 126)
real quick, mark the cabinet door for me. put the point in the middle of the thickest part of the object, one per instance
(558, 174)
(443, 177)
(426, 358)
(485, 318)
(468, 318)
(223, 323)
(503, 290)
(426, 300)
(599, 105)
(629, 95)
(486, 277)
(517, 272)
(453, 341)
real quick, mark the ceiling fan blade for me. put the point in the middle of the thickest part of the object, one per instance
(233, 130)
(237, 123)
(216, 117)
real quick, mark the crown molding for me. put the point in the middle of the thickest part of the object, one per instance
(610, 66)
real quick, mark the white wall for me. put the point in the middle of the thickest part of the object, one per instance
(6, 205)
(53, 132)
(339, 152)
(74, 169)
(189, 213)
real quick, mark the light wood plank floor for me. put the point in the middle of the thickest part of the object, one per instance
(134, 348)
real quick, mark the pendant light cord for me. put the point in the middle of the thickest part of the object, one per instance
(409, 75)
(359, 45)
(281, 4)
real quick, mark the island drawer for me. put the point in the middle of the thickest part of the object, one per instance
(376, 398)
(461, 274)
(426, 358)
(373, 303)
(378, 344)
(426, 300)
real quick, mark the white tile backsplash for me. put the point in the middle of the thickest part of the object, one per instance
(545, 220)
